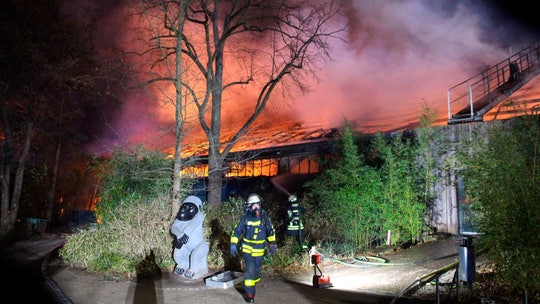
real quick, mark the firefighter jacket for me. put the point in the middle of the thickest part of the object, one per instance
(295, 222)
(253, 234)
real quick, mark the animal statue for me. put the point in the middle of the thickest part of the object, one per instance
(190, 248)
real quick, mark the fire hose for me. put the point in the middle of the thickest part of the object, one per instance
(363, 261)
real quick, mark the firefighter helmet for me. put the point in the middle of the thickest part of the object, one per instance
(292, 198)
(253, 199)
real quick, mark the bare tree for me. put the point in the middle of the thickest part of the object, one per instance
(248, 49)
(165, 21)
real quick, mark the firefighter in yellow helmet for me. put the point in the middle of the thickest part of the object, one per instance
(252, 235)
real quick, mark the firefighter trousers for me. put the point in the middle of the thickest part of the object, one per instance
(253, 273)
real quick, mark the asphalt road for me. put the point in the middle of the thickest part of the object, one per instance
(24, 271)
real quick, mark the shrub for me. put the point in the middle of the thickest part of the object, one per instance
(360, 197)
(502, 174)
(134, 215)
(136, 231)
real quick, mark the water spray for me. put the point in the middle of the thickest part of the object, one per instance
(275, 181)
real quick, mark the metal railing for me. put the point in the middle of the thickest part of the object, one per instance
(472, 98)
(435, 278)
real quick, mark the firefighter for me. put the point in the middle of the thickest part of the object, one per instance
(190, 248)
(252, 235)
(295, 226)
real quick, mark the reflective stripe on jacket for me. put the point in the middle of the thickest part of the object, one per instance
(294, 212)
(254, 233)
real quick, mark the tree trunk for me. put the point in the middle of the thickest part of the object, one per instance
(5, 171)
(11, 211)
(215, 180)
(5, 179)
(179, 115)
(52, 189)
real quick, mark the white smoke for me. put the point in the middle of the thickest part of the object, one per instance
(402, 54)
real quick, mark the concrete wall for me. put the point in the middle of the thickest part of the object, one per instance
(448, 213)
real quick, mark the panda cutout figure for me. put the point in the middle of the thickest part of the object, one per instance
(190, 248)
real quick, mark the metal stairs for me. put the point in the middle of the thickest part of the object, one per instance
(476, 96)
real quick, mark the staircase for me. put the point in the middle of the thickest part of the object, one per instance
(469, 100)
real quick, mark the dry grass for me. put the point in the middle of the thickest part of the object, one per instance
(118, 248)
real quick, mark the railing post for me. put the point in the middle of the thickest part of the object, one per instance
(437, 292)
(449, 100)
(489, 88)
(470, 99)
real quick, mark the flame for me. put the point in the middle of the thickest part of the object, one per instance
(260, 167)
(380, 79)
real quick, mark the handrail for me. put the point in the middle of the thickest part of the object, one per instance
(472, 98)
(420, 281)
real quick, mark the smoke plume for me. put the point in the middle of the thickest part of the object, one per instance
(398, 56)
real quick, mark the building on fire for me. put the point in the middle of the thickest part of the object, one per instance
(507, 89)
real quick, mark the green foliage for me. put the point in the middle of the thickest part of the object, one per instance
(131, 176)
(502, 174)
(134, 215)
(218, 226)
(288, 258)
(359, 199)
(401, 209)
(346, 194)
(430, 147)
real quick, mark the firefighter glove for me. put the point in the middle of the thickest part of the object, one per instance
(234, 250)
(272, 249)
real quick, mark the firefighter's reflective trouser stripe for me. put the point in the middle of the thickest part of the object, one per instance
(253, 272)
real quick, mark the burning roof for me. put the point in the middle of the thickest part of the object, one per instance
(267, 135)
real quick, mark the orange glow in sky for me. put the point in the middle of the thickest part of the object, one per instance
(398, 56)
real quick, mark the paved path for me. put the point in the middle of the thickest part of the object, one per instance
(360, 284)
(351, 284)
(24, 272)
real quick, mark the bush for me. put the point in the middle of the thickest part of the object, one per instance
(134, 216)
(131, 176)
(135, 232)
(502, 174)
(360, 197)
(219, 224)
